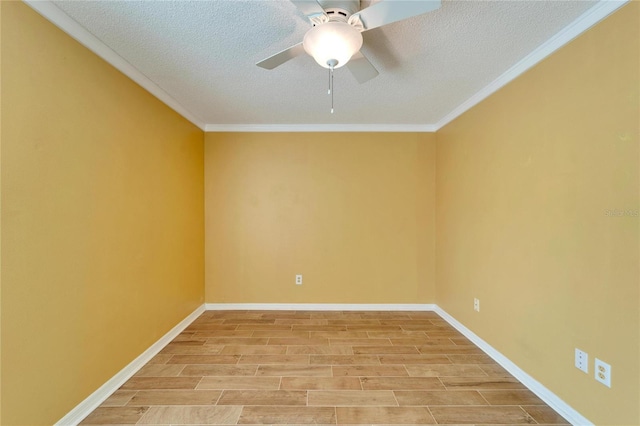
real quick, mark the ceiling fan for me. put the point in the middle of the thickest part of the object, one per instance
(335, 38)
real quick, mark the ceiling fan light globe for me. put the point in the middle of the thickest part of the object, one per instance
(332, 41)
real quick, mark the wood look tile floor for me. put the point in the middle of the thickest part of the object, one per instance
(294, 367)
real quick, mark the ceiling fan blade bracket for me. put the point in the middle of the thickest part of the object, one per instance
(310, 8)
(356, 22)
(318, 19)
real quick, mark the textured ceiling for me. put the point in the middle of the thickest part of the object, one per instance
(203, 54)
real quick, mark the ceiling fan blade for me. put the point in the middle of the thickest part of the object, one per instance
(281, 57)
(387, 11)
(361, 68)
(309, 8)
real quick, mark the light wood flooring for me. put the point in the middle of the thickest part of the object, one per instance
(295, 367)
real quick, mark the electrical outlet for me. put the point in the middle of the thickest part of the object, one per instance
(603, 372)
(582, 360)
(298, 279)
(476, 305)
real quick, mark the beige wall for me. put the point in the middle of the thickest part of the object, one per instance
(102, 211)
(352, 212)
(523, 186)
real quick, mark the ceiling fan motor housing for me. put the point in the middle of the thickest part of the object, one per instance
(339, 10)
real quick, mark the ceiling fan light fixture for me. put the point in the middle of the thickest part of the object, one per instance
(332, 43)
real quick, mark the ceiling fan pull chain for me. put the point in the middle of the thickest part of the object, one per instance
(331, 63)
(331, 90)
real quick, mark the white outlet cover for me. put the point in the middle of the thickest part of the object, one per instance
(298, 279)
(603, 372)
(582, 360)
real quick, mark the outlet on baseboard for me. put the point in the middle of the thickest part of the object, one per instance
(476, 305)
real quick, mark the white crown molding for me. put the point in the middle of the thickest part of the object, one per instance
(63, 21)
(601, 10)
(555, 402)
(319, 307)
(82, 410)
(417, 128)
(591, 17)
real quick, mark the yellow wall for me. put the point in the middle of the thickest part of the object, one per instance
(101, 188)
(523, 186)
(0, 211)
(103, 212)
(352, 212)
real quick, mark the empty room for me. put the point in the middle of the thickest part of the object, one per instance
(320, 212)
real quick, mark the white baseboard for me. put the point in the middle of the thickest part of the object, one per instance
(92, 402)
(319, 307)
(554, 401)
